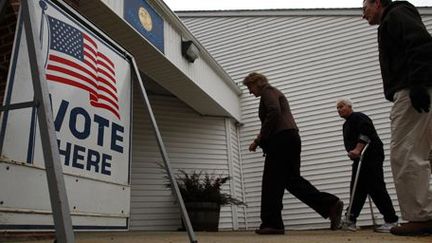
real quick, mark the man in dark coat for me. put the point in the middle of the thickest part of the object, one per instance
(405, 55)
(358, 130)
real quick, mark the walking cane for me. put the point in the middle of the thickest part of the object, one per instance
(355, 187)
(372, 214)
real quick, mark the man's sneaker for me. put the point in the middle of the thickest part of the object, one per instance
(413, 228)
(349, 226)
(335, 215)
(385, 228)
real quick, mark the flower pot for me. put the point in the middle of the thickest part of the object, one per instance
(204, 216)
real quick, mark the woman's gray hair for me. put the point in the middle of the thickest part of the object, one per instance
(345, 101)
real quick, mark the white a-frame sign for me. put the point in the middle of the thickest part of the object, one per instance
(67, 124)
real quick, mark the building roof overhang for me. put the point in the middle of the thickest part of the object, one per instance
(181, 78)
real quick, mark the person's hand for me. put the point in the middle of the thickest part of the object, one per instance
(354, 154)
(253, 146)
(420, 98)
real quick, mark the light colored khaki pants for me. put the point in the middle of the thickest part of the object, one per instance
(411, 144)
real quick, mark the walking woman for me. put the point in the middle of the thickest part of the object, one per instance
(280, 141)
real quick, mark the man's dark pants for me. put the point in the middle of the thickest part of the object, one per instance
(371, 181)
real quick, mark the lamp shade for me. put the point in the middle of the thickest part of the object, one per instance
(189, 50)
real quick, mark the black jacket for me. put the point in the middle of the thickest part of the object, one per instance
(359, 128)
(405, 49)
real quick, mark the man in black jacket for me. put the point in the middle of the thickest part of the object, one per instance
(358, 130)
(405, 54)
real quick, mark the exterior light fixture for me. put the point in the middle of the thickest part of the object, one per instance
(189, 50)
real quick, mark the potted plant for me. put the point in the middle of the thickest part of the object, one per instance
(203, 198)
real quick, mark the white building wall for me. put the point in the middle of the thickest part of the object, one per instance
(215, 82)
(314, 57)
(193, 142)
(115, 5)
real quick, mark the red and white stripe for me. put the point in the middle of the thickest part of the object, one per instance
(96, 75)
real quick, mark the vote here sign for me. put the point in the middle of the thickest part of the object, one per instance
(89, 85)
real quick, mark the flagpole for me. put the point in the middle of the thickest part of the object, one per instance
(44, 7)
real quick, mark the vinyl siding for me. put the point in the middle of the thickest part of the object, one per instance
(235, 171)
(313, 58)
(193, 142)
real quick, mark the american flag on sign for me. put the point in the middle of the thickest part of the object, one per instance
(74, 60)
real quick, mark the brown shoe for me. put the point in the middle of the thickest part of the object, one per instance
(413, 228)
(270, 231)
(335, 215)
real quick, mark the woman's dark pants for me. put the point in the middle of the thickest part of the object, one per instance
(282, 171)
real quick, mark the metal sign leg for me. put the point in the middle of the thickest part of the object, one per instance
(165, 156)
(56, 185)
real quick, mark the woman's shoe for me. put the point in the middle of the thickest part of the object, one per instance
(270, 231)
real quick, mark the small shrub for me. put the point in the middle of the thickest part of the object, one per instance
(199, 186)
